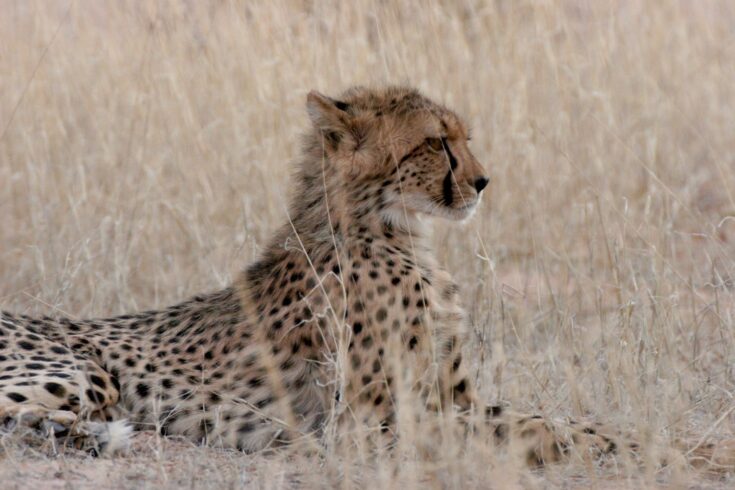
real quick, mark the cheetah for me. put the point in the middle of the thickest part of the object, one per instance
(345, 312)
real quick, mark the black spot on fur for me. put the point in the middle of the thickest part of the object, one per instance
(412, 343)
(493, 411)
(142, 390)
(533, 459)
(114, 380)
(264, 402)
(55, 389)
(376, 366)
(94, 395)
(16, 397)
(25, 345)
(611, 448)
(96, 380)
(381, 314)
(461, 386)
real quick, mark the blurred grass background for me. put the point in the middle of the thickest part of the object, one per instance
(146, 150)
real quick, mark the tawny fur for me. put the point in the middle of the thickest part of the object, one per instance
(346, 311)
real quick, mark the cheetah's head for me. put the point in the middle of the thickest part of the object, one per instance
(395, 139)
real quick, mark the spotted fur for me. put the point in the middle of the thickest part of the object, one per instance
(346, 311)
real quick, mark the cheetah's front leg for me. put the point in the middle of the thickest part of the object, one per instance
(536, 439)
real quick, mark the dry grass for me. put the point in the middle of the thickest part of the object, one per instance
(144, 157)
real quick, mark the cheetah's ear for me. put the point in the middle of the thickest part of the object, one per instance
(327, 114)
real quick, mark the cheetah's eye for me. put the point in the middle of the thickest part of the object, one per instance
(436, 144)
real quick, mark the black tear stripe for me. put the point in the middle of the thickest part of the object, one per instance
(452, 160)
(447, 189)
(447, 184)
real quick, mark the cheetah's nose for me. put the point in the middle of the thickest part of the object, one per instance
(481, 183)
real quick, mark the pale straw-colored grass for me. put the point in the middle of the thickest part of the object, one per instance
(145, 153)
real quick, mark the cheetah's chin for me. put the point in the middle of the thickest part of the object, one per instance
(466, 212)
(461, 214)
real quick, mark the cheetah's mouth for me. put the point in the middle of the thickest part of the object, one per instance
(465, 211)
(406, 205)
(457, 212)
